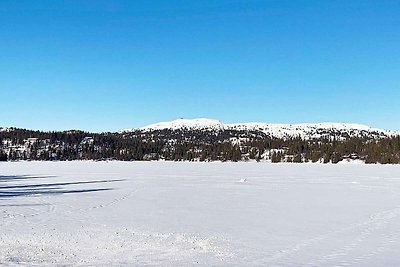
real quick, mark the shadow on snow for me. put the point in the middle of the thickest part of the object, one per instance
(10, 178)
(18, 190)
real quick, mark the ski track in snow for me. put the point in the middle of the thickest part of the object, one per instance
(198, 214)
(363, 231)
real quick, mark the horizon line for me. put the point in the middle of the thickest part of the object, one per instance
(197, 119)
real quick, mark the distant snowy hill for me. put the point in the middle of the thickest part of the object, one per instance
(209, 140)
(194, 124)
(305, 131)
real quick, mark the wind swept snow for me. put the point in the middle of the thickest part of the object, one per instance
(198, 214)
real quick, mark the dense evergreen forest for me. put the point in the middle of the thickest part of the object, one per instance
(180, 145)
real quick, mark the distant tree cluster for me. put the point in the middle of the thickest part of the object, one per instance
(180, 145)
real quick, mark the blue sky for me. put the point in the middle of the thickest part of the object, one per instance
(109, 65)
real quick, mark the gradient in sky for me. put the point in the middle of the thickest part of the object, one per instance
(109, 65)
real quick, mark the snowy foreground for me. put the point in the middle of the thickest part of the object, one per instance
(203, 214)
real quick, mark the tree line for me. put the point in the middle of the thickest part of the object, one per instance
(181, 145)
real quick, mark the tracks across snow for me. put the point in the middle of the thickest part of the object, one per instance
(348, 246)
(169, 214)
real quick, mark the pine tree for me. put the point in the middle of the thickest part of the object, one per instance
(3, 156)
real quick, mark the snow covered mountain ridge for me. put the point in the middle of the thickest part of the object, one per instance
(209, 140)
(304, 130)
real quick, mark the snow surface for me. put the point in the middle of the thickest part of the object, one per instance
(198, 214)
(5, 129)
(276, 130)
(192, 124)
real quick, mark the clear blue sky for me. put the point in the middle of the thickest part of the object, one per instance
(108, 65)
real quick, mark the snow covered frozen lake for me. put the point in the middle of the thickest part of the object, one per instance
(198, 214)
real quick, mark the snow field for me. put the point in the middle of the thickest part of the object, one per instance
(198, 214)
